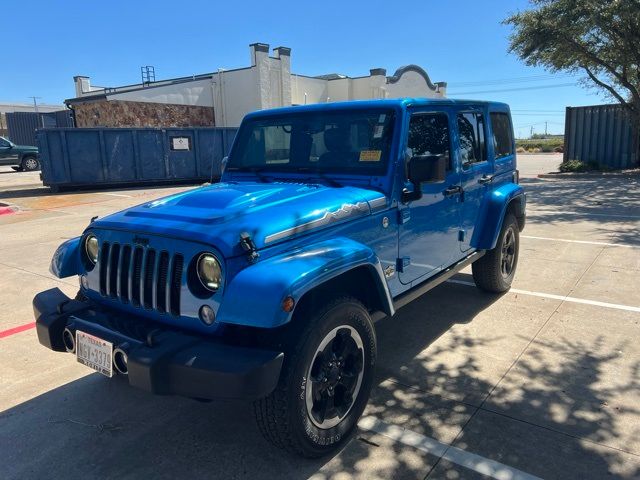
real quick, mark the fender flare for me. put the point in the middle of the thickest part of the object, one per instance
(494, 208)
(254, 296)
(66, 259)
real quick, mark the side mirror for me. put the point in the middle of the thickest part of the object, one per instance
(425, 169)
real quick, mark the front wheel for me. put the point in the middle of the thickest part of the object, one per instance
(325, 382)
(29, 164)
(494, 271)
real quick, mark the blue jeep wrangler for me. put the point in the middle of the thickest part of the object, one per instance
(266, 286)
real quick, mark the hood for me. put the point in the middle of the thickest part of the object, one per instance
(29, 148)
(269, 212)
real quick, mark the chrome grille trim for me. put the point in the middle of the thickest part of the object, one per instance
(142, 277)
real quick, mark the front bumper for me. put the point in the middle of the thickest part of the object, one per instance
(162, 360)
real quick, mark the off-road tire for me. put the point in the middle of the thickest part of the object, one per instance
(283, 416)
(30, 164)
(488, 271)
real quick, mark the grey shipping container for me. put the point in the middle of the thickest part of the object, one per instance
(22, 126)
(73, 157)
(603, 134)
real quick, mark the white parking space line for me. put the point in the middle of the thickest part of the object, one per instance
(585, 214)
(455, 455)
(116, 194)
(585, 242)
(563, 298)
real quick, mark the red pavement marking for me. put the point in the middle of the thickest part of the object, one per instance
(14, 330)
(6, 210)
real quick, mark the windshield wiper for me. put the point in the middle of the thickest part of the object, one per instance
(322, 175)
(255, 170)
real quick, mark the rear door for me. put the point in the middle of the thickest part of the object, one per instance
(477, 168)
(429, 226)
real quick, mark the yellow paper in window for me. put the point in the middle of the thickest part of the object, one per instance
(370, 155)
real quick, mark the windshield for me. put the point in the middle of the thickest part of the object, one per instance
(355, 142)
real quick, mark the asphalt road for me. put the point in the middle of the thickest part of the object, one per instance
(542, 381)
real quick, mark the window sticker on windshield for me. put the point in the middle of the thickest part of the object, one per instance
(370, 155)
(382, 117)
(377, 132)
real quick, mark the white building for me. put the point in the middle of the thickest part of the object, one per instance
(224, 97)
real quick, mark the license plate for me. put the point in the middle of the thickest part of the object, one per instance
(94, 353)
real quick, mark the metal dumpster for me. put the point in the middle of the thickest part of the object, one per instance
(74, 157)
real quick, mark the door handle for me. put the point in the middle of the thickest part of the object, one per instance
(452, 190)
(486, 179)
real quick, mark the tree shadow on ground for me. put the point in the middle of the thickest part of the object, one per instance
(435, 375)
(610, 204)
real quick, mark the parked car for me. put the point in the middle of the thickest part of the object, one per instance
(22, 157)
(266, 286)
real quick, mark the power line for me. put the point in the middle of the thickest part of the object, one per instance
(515, 114)
(557, 85)
(501, 81)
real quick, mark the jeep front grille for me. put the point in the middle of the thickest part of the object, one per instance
(141, 277)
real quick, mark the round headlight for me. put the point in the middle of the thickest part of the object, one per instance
(209, 272)
(91, 248)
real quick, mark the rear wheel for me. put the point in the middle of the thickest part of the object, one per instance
(325, 382)
(30, 164)
(494, 271)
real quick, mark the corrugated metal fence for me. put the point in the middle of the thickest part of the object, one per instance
(110, 156)
(602, 134)
(22, 126)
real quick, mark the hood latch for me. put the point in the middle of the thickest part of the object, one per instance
(247, 244)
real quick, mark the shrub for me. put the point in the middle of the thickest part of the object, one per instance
(577, 166)
(520, 150)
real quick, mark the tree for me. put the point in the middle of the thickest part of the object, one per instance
(599, 38)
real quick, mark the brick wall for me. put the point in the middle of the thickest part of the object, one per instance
(118, 113)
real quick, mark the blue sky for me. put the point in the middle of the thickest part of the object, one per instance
(461, 42)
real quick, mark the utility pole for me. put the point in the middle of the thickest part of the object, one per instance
(531, 136)
(35, 107)
(545, 128)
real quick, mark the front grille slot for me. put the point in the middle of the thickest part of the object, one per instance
(141, 276)
(161, 284)
(112, 270)
(176, 281)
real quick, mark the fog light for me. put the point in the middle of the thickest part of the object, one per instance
(207, 315)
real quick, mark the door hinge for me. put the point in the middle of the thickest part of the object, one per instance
(402, 263)
(461, 234)
(404, 216)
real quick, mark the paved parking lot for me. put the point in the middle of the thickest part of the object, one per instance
(543, 381)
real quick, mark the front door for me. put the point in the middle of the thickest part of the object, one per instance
(429, 226)
(477, 170)
(7, 153)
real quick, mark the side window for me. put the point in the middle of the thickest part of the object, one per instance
(429, 135)
(502, 134)
(471, 130)
(4, 143)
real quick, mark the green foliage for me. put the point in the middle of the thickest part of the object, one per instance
(599, 38)
(544, 145)
(577, 166)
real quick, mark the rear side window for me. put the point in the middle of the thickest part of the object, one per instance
(502, 134)
(429, 135)
(471, 130)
